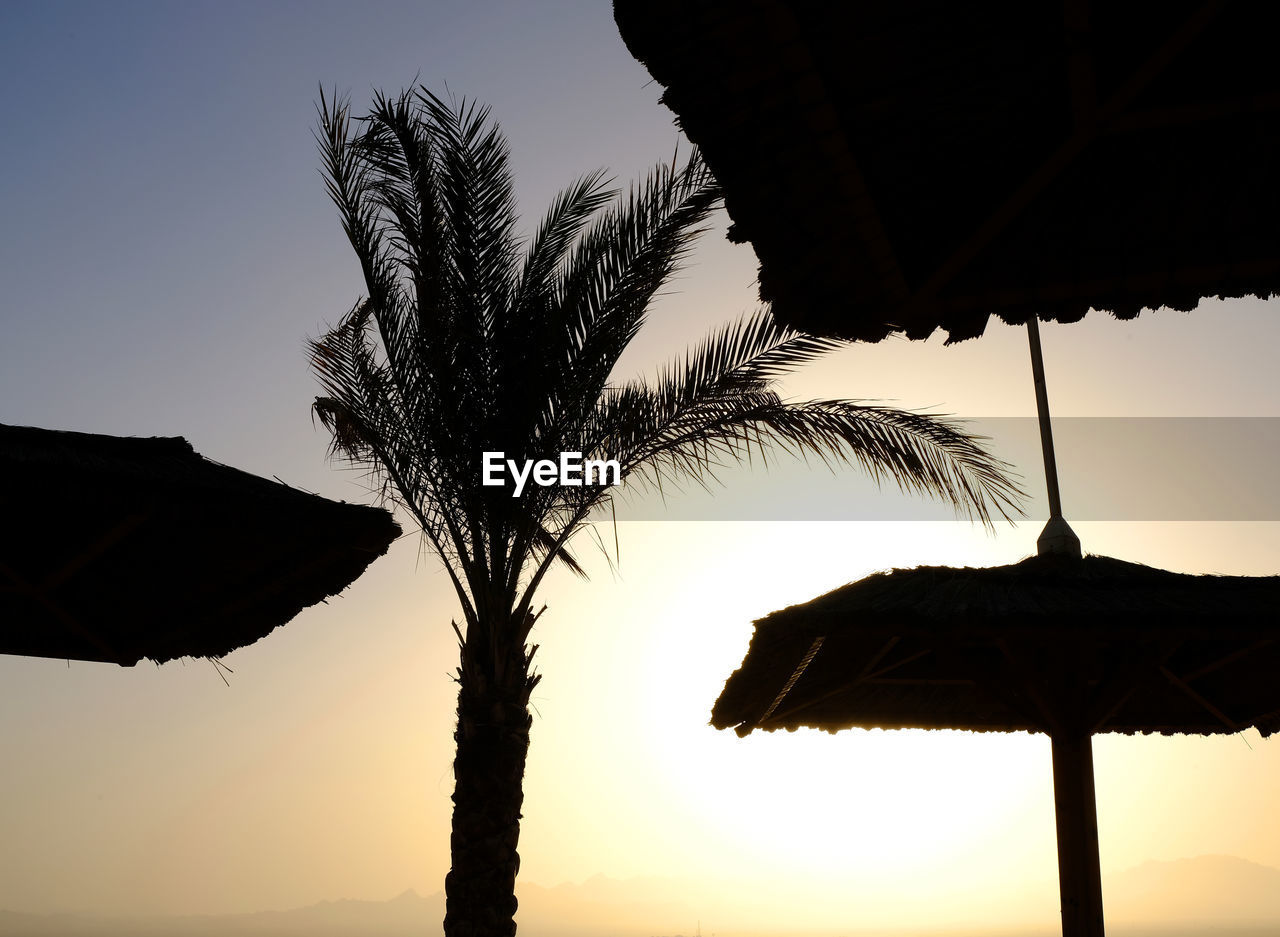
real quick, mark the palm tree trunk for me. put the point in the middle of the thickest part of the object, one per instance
(492, 741)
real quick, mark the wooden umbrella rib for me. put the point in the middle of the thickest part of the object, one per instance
(1238, 654)
(796, 674)
(271, 586)
(919, 681)
(1053, 167)
(1191, 114)
(65, 618)
(1080, 72)
(1105, 707)
(1120, 684)
(1029, 683)
(879, 656)
(999, 689)
(100, 546)
(1208, 706)
(872, 228)
(822, 118)
(897, 664)
(866, 676)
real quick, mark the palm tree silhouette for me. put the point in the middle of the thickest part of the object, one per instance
(471, 341)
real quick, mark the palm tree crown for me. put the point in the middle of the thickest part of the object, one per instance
(471, 340)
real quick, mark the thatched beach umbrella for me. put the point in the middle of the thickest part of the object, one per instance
(909, 165)
(114, 549)
(1063, 645)
(906, 167)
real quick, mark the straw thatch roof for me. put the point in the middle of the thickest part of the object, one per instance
(917, 164)
(1094, 644)
(114, 549)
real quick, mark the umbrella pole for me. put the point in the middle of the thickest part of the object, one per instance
(1057, 536)
(1079, 873)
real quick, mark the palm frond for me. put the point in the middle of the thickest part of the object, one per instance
(469, 341)
(717, 405)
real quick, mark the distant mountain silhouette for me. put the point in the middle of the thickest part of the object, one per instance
(1218, 889)
(1208, 896)
(405, 914)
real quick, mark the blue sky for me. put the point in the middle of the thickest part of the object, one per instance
(168, 244)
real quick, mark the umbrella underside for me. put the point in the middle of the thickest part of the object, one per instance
(1017, 649)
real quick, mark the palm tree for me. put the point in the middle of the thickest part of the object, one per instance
(470, 341)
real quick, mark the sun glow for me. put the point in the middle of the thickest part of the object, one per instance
(871, 804)
(859, 800)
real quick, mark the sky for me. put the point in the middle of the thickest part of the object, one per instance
(166, 247)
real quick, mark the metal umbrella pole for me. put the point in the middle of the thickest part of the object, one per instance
(1075, 804)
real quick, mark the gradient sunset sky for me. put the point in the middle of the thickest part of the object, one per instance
(166, 246)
